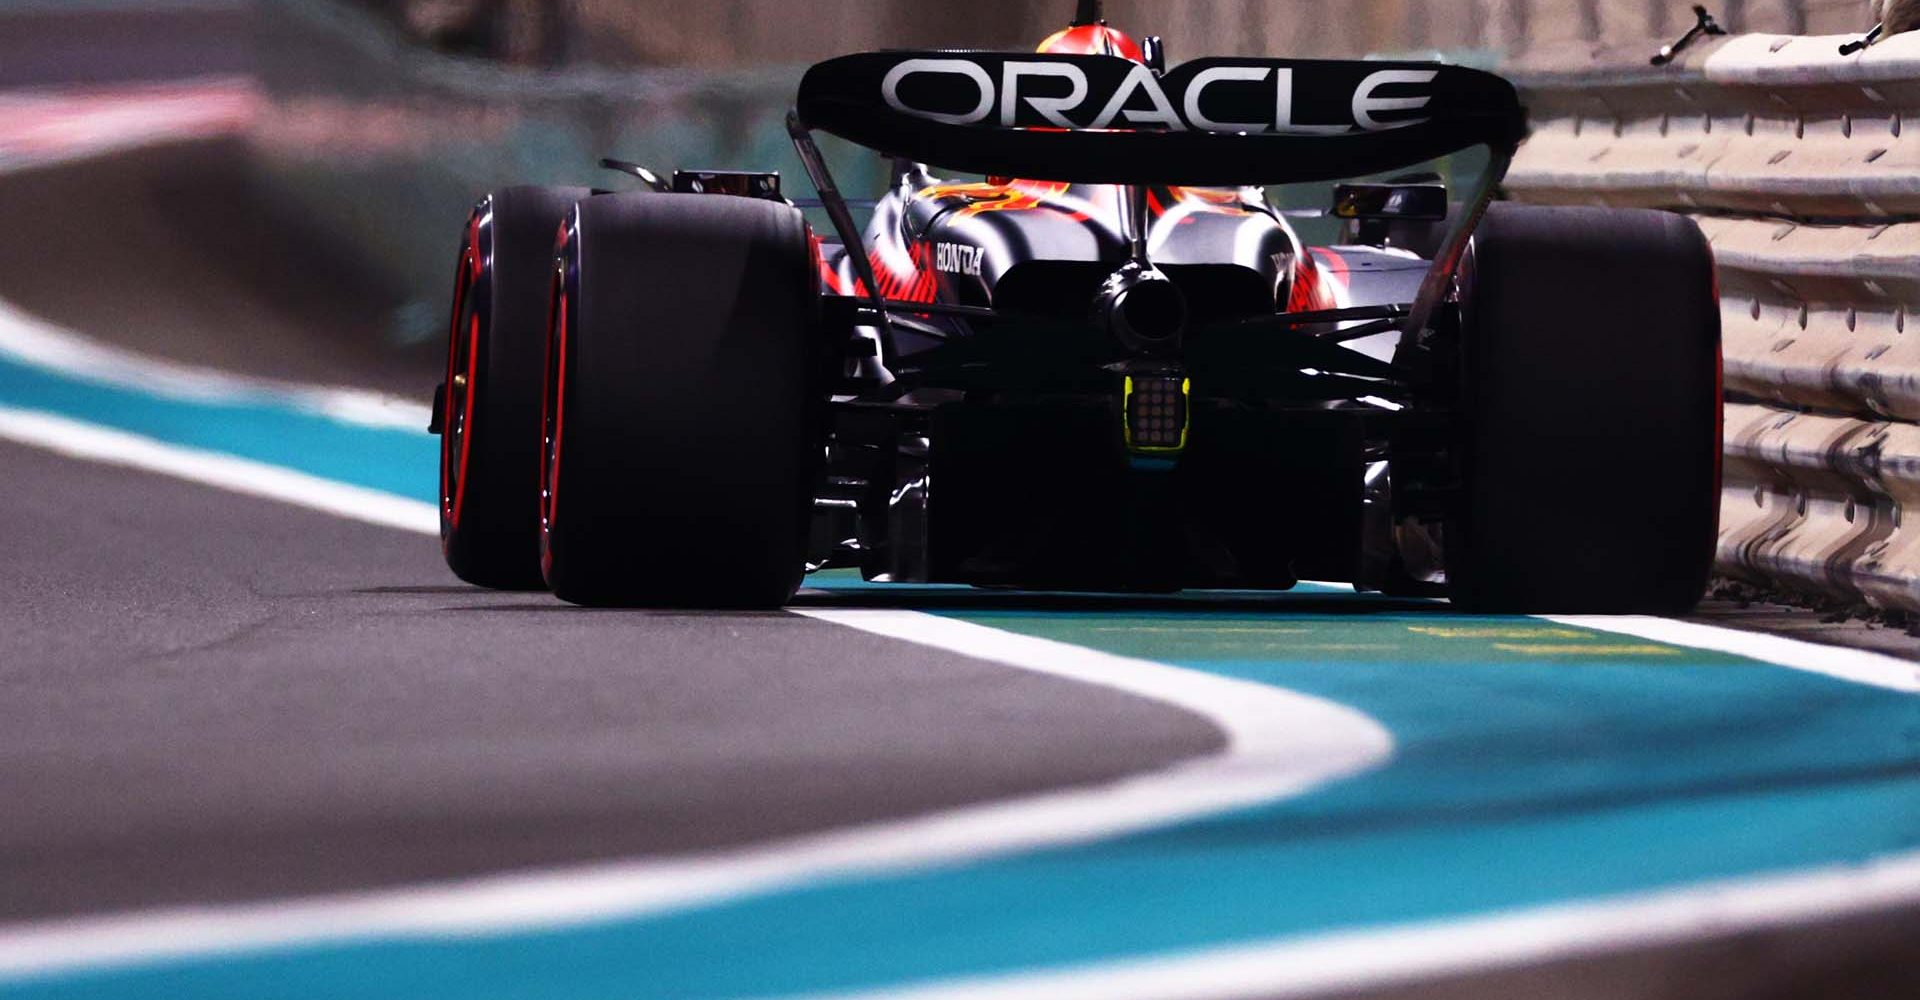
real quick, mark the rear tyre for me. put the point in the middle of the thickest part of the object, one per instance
(684, 404)
(1591, 406)
(490, 404)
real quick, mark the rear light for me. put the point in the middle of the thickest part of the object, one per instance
(1158, 413)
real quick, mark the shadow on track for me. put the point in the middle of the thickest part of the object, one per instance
(935, 599)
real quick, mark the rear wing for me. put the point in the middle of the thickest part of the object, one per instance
(1107, 120)
(1211, 123)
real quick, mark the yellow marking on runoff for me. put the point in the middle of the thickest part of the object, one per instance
(1442, 632)
(1202, 627)
(1586, 650)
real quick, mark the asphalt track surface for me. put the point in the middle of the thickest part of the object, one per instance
(225, 698)
(216, 706)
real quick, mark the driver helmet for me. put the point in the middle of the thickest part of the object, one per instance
(1089, 35)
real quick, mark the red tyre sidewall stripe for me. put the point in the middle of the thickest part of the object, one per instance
(447, 404)
(466, 276)
(559, 415)
(466, 428)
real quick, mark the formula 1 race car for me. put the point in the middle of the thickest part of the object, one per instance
(1111, 365)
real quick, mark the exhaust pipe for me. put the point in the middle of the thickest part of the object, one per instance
(1143, 309)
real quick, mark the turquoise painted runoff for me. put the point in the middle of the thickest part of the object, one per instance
(1537, 764)
(253, 426)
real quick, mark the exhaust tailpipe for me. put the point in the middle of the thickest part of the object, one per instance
(1143, 309)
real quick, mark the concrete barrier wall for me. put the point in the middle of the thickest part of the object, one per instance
(1803, 167)
(385, 145)
(755, 32)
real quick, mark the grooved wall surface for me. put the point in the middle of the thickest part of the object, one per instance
(1803, 168)
(729, 33)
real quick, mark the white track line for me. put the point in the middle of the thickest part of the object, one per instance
(1855, 665)
(1345, 962)
(1279, 744)
(100, 444)
(36, 342)
(44, 126)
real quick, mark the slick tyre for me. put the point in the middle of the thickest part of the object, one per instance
(684, 404)
(489, 406)
(1591, 405)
